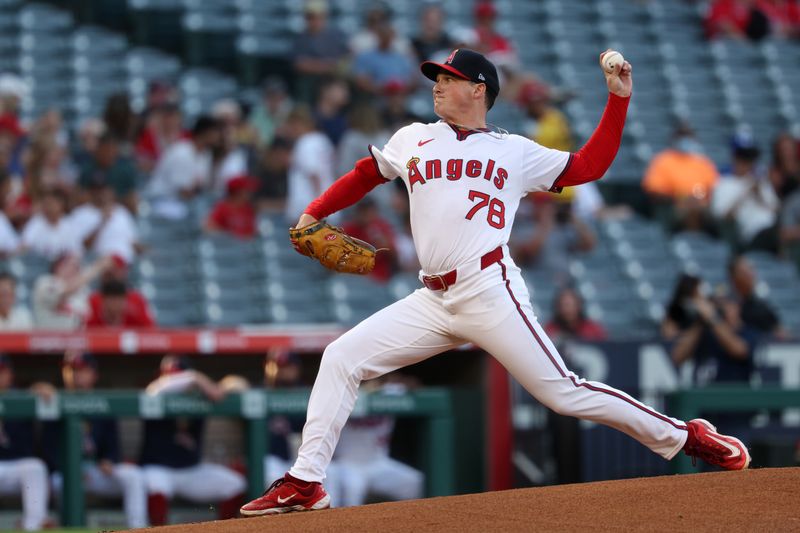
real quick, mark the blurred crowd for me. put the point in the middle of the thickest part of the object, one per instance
(74, 198)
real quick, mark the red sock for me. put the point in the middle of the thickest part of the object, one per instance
(158, 509)
(230, 507)
(299, 482)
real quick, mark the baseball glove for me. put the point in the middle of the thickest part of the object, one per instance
(334, 248)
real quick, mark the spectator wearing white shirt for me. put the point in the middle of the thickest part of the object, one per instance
(49, 233)
(184, 170)
(104, 226)
(13, 317)
(747, 199)
(312, 162)
(61, 298)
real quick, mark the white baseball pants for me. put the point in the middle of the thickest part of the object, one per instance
(491, 309)
(202, 483)
(382, 475)
(126, 481)
(27, 476)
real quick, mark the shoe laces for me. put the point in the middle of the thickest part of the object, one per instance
(275, 484)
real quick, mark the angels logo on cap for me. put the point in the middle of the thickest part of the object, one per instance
(468, 65)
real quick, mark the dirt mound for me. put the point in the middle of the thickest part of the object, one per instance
(766, 500)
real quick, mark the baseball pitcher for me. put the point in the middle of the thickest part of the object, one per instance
(465, 181)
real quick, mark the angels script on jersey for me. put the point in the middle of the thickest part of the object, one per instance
(454, 170)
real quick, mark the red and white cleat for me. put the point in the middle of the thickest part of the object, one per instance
(714, 448)
(287, 495)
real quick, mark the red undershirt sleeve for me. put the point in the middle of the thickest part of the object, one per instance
(348, 189)
(591, 162)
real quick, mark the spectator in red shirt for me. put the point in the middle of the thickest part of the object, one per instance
(368, 225)
(236, 213)
(491, 43)
(570, 321)
(116, 306)
(738, 19)
(783, 16)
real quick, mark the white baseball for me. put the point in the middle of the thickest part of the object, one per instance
(611, 60)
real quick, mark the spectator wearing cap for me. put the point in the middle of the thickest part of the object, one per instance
(320, 51)
(21, 472)
(271, 110)
(395, 112)
(104, 226)
(373, 69)
(746, 200)
(432, 37)
(49, 233)
(330, 109)
(489, 41)
(116, 306)
(235, 214)
(312, 163)
(231, 156)
(163, 127)
(108, 167)
(368, 225)
(272, 170)
(103, 471)
(548, 126)
(60, 298)
(185, 170)
(173, 448)
(13, 316)
(680, 180)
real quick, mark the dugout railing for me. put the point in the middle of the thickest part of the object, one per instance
(433, 405)
(690, 403)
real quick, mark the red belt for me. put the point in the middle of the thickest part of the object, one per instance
(444, 281)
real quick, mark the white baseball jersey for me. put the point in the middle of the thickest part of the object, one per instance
(464, 187)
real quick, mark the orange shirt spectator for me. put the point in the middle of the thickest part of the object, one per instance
(117, 306)
(679, 173)
(235, 214)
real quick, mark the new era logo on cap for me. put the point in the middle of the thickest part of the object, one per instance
(466, 64)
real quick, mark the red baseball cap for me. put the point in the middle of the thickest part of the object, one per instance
(532, 91)
(242, 183)
(485, 10)
(468, 65)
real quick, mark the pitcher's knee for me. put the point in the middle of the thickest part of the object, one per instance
(335, 359)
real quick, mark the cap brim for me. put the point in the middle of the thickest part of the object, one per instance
(430, 70)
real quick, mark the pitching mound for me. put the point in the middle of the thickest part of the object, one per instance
(765, 500)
